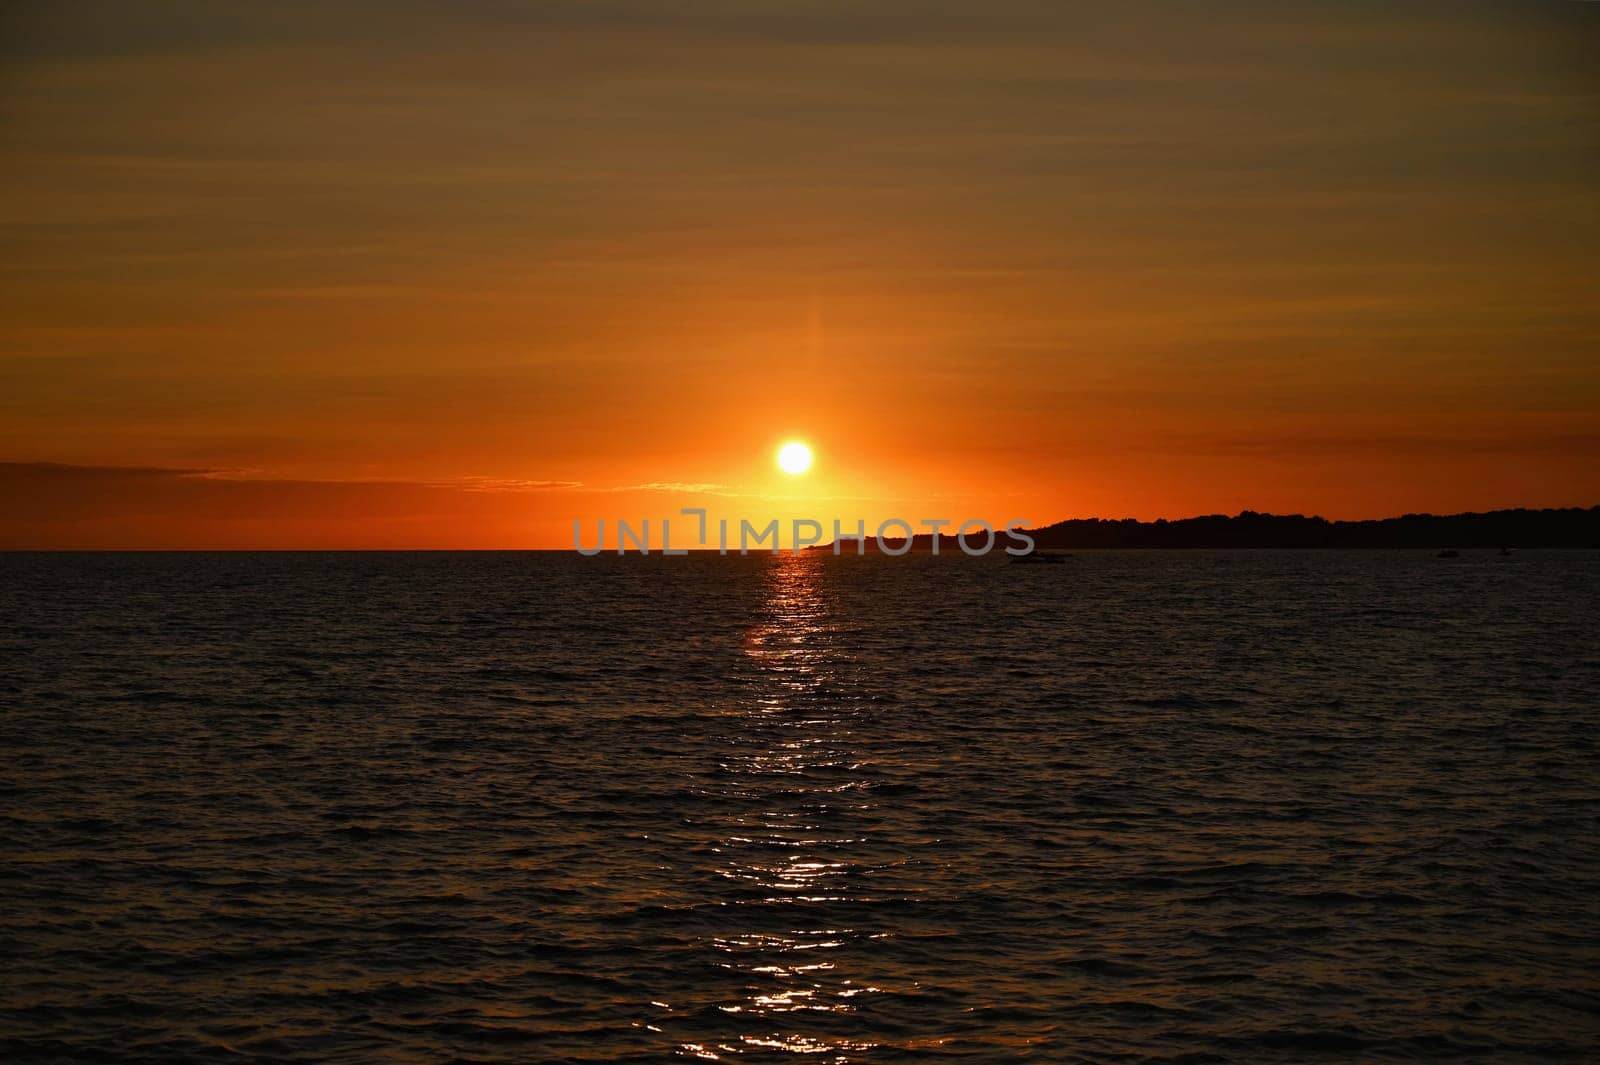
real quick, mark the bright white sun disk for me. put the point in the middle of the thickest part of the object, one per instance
(794, 457)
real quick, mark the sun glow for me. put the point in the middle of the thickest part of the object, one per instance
(794, 457)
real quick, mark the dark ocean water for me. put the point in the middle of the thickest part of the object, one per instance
(1253, 807)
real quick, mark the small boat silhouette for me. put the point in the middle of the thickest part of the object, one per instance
(1037, 556)
(1449, 552)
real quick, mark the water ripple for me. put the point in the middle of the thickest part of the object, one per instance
(1259, 807)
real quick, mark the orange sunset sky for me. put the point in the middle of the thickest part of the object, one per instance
(360, 274)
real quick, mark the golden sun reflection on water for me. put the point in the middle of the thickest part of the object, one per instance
(791, 852)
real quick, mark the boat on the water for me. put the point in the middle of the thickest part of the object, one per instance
(1449, 552)
(1037, 557)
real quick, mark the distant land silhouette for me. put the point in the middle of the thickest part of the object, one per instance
(1571, 527)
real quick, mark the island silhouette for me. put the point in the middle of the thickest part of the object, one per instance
(1569, 527)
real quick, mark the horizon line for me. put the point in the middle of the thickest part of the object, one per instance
(925, 537)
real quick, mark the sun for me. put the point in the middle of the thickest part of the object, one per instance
(794, 457)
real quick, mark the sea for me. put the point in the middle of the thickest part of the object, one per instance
(1181, 806)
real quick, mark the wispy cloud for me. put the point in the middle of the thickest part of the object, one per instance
(262, 475)
(506, 484)
(705, 488)
(457, 484)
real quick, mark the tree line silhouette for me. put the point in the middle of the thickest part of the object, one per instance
(1572, 527)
